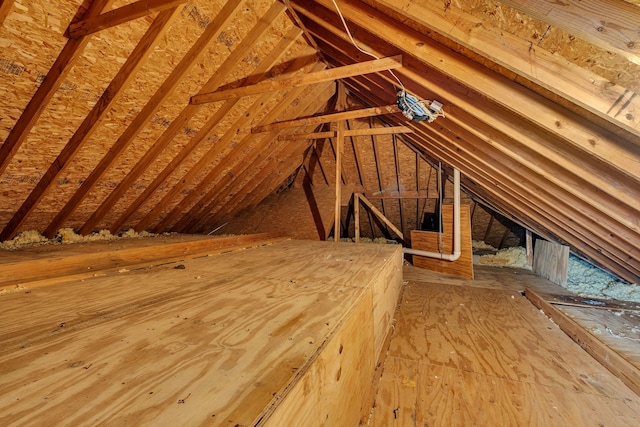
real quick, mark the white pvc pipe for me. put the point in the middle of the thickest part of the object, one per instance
(456, 228)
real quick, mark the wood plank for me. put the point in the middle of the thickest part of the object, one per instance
(120, 15)
(134, 62)
(45, 265)
(608, 24)
(282, 83)
(467, 348)
(614, 362)
(5, 8)
(381, 216)
(52, 81)
(386, 130)
(179, 123)
(356, 214)
(327, 118)
(429, 241)
(170, 335)
(551, 261)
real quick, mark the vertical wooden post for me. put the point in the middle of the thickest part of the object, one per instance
(356, 213)
(529, 245)
(339, 148)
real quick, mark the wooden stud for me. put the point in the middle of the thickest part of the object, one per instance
(52, 81)
(142, 119)
(376, 157)
(528, 245)
(396, 161)
(302, 80)
(120, 15)
(356, 214)
(131, 66)
(338, 183)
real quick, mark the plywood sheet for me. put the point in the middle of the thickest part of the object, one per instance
(551, 260)
(214, 343)
(478, 356)
(429, 241)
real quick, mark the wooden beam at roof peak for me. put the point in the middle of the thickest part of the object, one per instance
(326, 118)
(389, 63)
(387, 130)
(120, 16)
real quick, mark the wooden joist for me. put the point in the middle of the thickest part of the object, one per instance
(386, 130)
(327, 118)
(617, 364)
(302, 80)
(52, 81)
(129, 69)
(120, 15)
(224, 17)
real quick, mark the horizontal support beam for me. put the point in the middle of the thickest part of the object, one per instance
(328, 118)
(120, 16)
(387, 130)
(357, 69)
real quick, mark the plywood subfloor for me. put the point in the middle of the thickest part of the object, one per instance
(478, 353)
(209, 341)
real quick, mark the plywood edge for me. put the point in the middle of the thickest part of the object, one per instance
(610, 359)
(264, 418)
(32, 273)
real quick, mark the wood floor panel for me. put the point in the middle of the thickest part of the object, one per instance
(487, 356)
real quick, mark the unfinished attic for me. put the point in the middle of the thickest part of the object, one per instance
(306, 213)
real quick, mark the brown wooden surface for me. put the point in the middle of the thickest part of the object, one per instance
(618, 352)
(464, 355)
(551, 260)
(43, 265)
(428, 241)
(226, 340)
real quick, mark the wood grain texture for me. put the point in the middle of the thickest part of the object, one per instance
(465, 356)
(619, 358)
(428, 241)
(214, 343)
(551, 261)
(43, 265)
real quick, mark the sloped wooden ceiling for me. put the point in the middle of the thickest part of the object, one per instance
(542, 116)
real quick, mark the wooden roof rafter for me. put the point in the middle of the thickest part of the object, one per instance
(126, 73)
(119, 16)
(189, 111)
(579, 86)
(239, 167)
(142, 119)
(52, 81)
